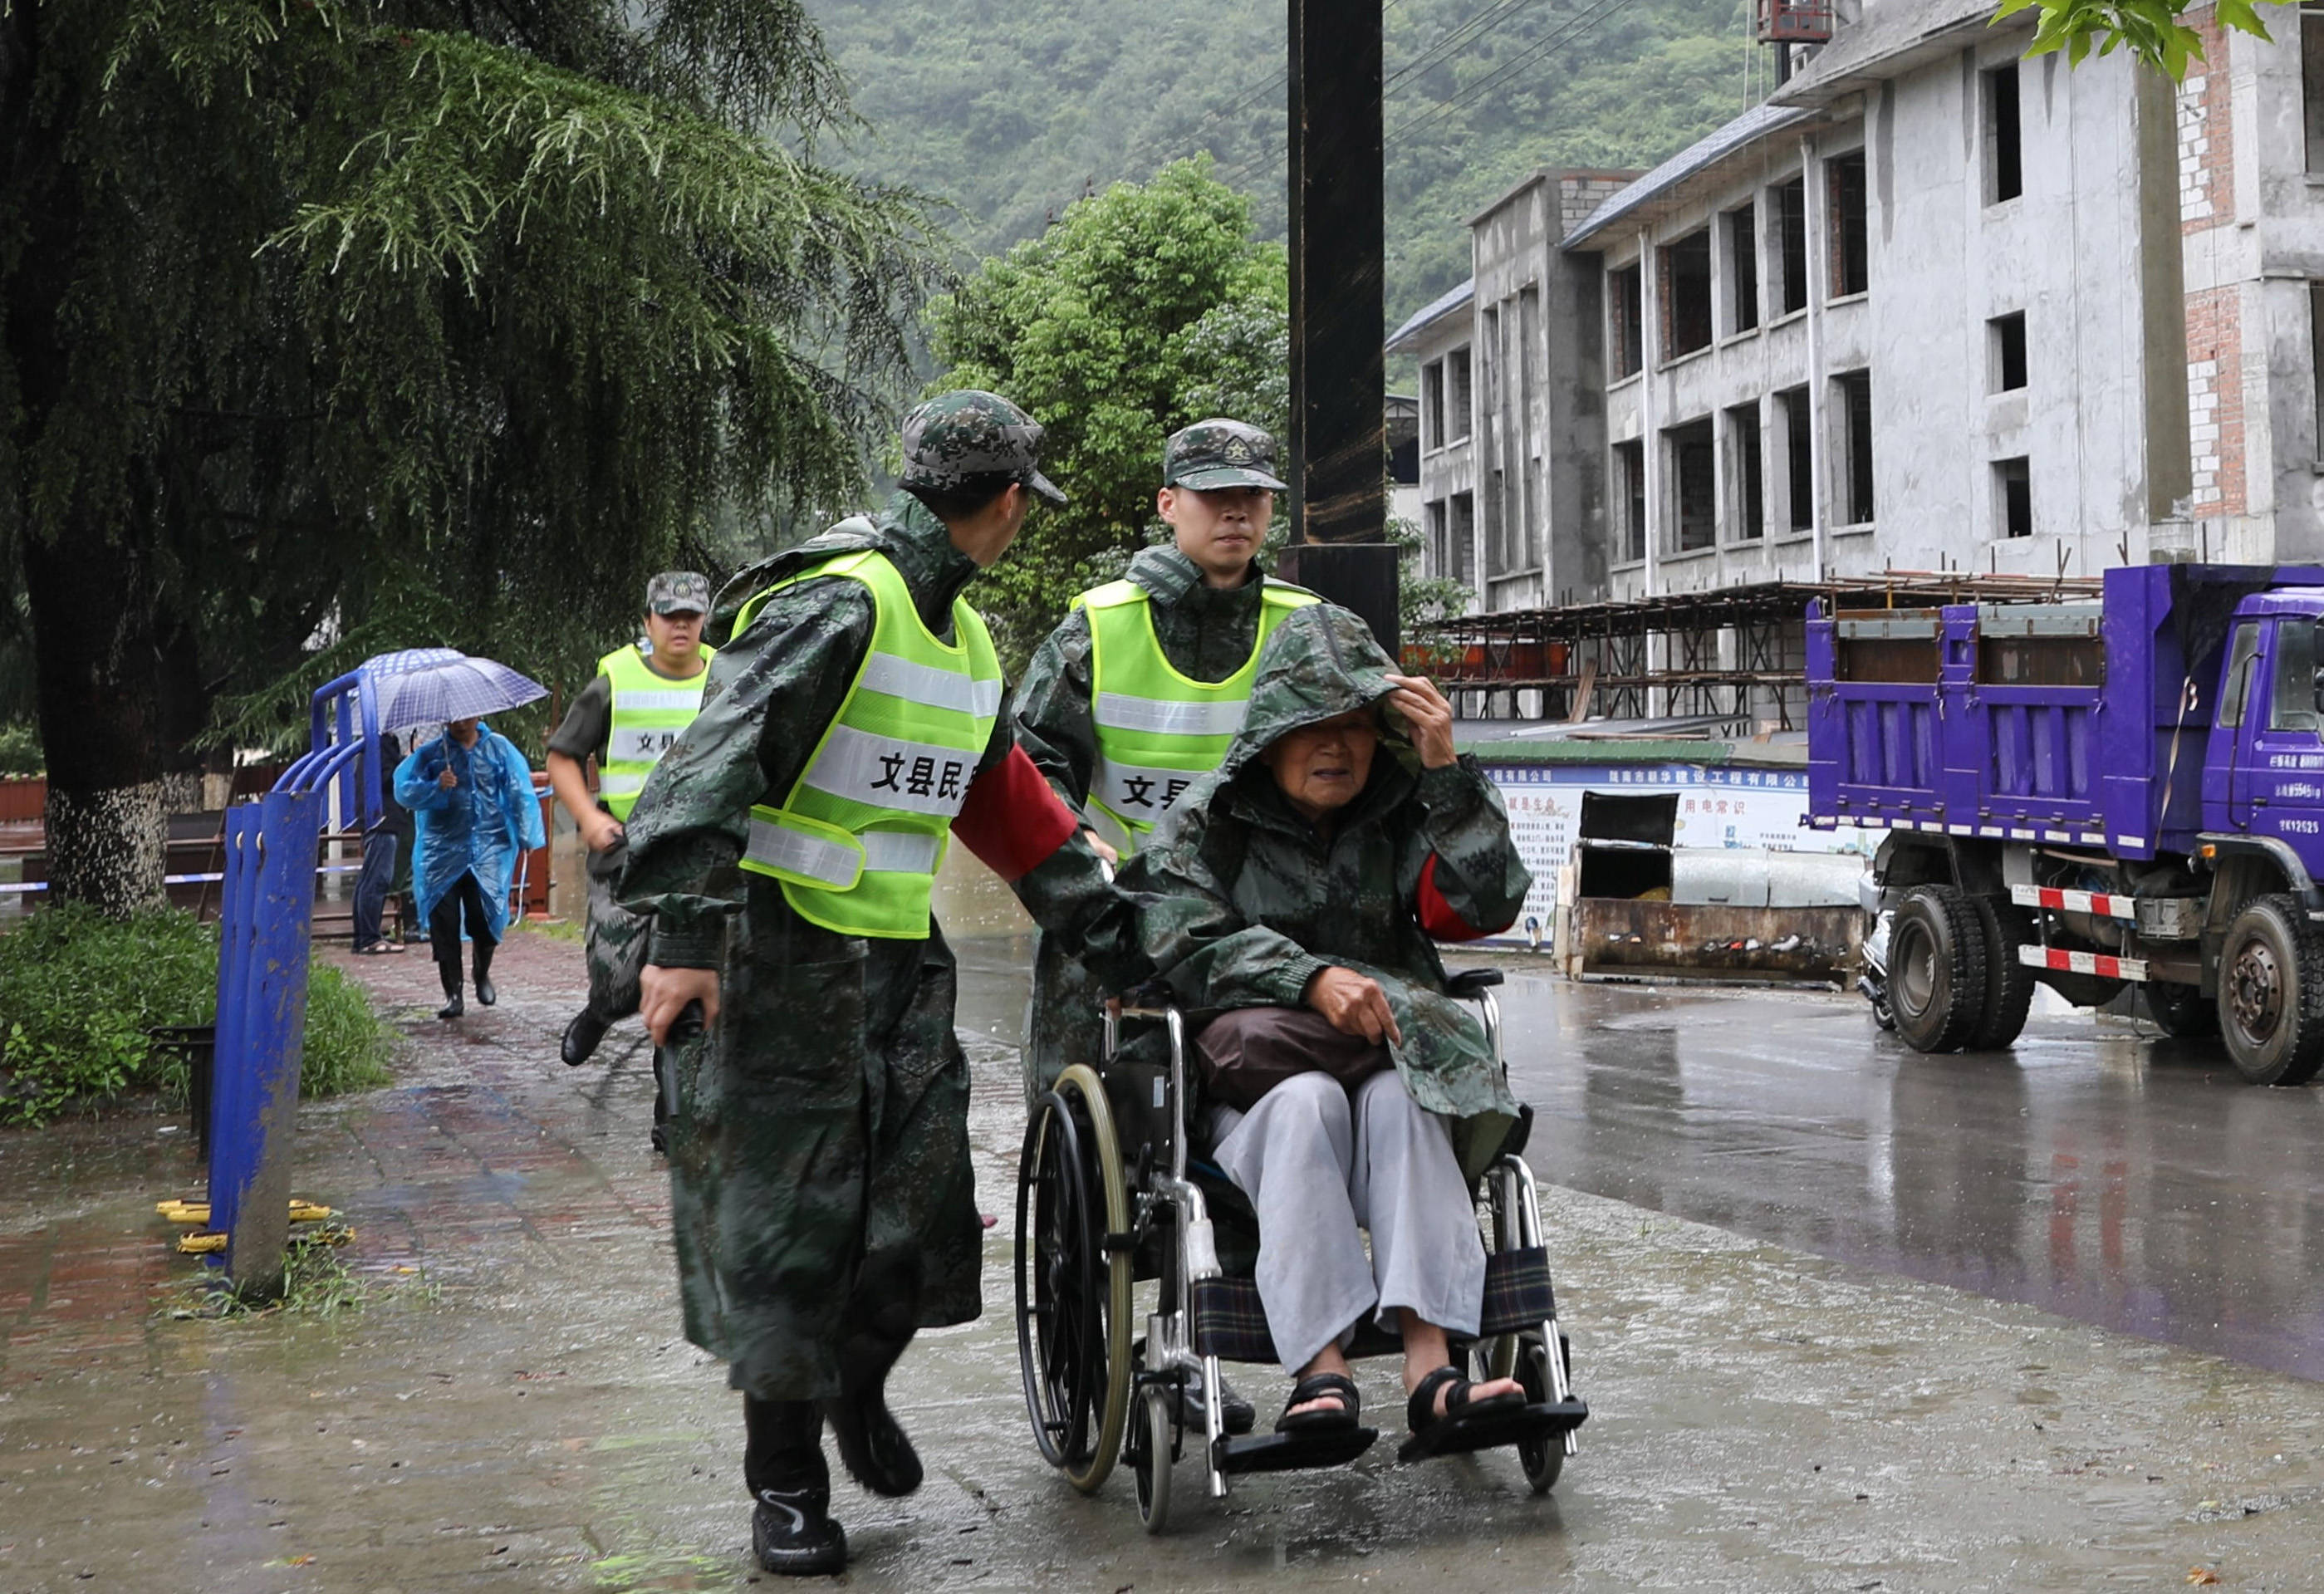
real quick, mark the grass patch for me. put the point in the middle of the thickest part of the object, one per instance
(570, 930)
(314, 1283)
(79, 991)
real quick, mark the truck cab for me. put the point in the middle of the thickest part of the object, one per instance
(2264, 763)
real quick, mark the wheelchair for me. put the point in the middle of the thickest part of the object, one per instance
(1111, 1192)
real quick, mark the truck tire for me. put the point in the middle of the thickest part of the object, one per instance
(2008, 983)
(2272, 992)
(2181, 1011)
(1937, 969)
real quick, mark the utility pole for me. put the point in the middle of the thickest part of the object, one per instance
(1339, 393)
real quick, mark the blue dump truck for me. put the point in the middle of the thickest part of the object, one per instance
(2091, 794)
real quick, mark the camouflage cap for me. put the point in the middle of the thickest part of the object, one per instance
(678, 592)
(956, 437)
(1219, 453)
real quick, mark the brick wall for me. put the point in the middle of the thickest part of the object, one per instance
(2215, 346)
(2215, 400)
(1579, 193)
(2207, 192)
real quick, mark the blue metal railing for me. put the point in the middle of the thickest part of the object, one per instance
(265, 938)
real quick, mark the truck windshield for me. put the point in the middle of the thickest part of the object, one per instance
(2292, 705)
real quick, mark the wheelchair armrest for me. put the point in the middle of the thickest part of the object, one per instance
(1473, 983)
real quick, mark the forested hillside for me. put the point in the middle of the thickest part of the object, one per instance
(1010, 109)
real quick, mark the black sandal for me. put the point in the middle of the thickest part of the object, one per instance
(1317, 1386)
(1462, 1405)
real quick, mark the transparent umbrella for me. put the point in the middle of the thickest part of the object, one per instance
(436, 686)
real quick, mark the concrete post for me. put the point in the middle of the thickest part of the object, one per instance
(1338, 445)
(1814, 209)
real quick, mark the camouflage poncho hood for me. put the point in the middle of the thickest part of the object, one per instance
(1321, 662)
(1247, 900)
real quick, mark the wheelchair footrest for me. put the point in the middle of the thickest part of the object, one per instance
(1293, 1452)
(1494, 1431)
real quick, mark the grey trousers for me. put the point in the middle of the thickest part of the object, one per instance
(1318, 1165)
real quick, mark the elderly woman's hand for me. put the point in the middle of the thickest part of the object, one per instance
(1430, 717)
(1353, 1004)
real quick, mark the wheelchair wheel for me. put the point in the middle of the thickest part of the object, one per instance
(1149, 1458)
(1073, 1289)
(1543, 1456)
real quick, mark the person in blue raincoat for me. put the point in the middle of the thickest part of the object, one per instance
(470, 792)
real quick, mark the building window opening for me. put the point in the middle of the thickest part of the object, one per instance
(1694, 486)
(1431, 405)
(1628, 331)
(1462, 534)
(1630, 499)
(1852, 264)
(2005, 167)
(1686, 294)
(1743, 267)
(2013, 497)
(1497, 553)
(1457, 396)
(1799, 460)
(2311, 84)
(1854, 392)
(1792, 234)
(2007, 349)
(2316, 358)
(1750, 483)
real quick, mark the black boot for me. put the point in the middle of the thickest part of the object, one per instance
(872, 1445)
(450, 974)
(791, 1529)
(484, 992)
(581, 1038)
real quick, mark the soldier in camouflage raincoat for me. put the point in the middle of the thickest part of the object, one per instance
(1294, 903)
(823, 1201)
(1203, 595)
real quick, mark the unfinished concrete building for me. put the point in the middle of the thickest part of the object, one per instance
(1932, 306)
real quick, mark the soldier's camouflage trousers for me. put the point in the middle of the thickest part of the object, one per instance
(820, 1180)
(617, 940)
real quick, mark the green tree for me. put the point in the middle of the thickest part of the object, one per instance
(401, 321)
(2151, 30)
(1146, 306)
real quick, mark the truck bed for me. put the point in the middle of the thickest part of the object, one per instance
(2073, 722)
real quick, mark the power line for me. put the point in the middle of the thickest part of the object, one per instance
(1579, 27)
(1572, 27)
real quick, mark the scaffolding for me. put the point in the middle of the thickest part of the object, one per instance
(1738, 655)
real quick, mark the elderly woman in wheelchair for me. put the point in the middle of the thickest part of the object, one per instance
(1292, 902)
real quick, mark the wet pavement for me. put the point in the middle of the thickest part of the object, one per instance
(513, 1407)
(2096, 1169)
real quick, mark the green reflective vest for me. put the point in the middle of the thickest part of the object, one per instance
(1158, 732)
(857, 842)
(648, 711)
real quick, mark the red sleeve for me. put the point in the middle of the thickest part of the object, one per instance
(1011, 819)
(1436, 916)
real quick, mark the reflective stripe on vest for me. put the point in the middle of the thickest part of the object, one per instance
(1159, 731)
(857, 842)
(648, 711)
